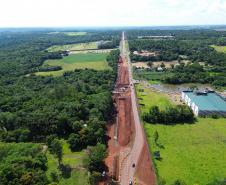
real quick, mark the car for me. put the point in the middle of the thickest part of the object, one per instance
(130, 183)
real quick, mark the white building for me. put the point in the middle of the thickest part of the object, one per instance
(189, 102)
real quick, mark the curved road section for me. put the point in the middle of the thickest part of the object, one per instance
(128, 171)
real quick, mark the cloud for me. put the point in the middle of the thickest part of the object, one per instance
(110, 12)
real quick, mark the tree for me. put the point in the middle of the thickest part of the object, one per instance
(95, 177)
(162, 65)
(156, 136)
(75, 142)
(96, 155)
(57, 149)
(150, 64)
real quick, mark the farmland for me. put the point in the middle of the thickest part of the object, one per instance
(77, 61)
(220, 48)
(79, 46)
(196, 157)
(70, 33)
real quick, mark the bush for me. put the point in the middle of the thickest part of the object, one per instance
(179, 182)
(95, 177)
(65, 170)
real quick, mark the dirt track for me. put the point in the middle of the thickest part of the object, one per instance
(127, 144)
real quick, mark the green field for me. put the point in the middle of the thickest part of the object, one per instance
(79, 175)
(194, 153)
(150, 75)
(80, 46)
(70, 33)
(220, 48)
(156, 99)
(77, 61)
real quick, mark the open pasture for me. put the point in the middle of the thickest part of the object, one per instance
(220, 48)
(95, 61)
(71, 47)
(193, 153)
(79, 33)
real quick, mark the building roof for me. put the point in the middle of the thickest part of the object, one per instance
(210, 102)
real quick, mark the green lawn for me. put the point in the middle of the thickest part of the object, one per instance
(79, 46)
(194, 153)
(79, 175)
(77, 61)
(220, 48)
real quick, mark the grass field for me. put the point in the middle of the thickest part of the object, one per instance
(70, 33)
(150, 98)
(193, 153)
(77, 61)
(80, 46)
(150, 75)
(79, 175)
(220, 48)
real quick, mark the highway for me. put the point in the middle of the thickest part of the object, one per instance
(127, 172)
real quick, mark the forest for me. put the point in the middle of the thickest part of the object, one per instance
(37, 109)
(195, 45)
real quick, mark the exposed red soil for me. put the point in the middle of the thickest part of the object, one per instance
(145, 172)
(118, 148)
(124, 118)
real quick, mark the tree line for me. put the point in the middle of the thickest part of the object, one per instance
(170, 116)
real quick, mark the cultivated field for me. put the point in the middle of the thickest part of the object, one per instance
(193, 153)
(79, 46)
(77, 61)
(70, 33)
(79, 176)
(220, 48)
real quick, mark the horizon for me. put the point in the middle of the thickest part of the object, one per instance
(127, 27)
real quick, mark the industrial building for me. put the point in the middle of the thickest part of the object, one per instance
(205, 102)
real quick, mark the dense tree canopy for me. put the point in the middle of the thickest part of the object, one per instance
(192, 45)
(75, 106)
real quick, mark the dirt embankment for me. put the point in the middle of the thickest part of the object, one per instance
(121, 131)
(145, 174)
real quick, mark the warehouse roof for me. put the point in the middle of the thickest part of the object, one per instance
(210, 101)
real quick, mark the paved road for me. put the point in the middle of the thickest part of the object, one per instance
(127, 171)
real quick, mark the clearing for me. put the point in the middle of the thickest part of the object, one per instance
(219, 48)
(79, 175)
(193, 153)
(71, 47)
(145, 95)
(70, 33)
(95, 61)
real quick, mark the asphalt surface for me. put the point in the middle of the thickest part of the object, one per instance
(128, 171)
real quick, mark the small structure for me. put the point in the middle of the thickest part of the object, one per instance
(159, 69)
(204, 102)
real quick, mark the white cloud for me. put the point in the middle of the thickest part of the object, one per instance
(110, 12)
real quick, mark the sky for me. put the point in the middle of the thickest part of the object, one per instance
(77, 13)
